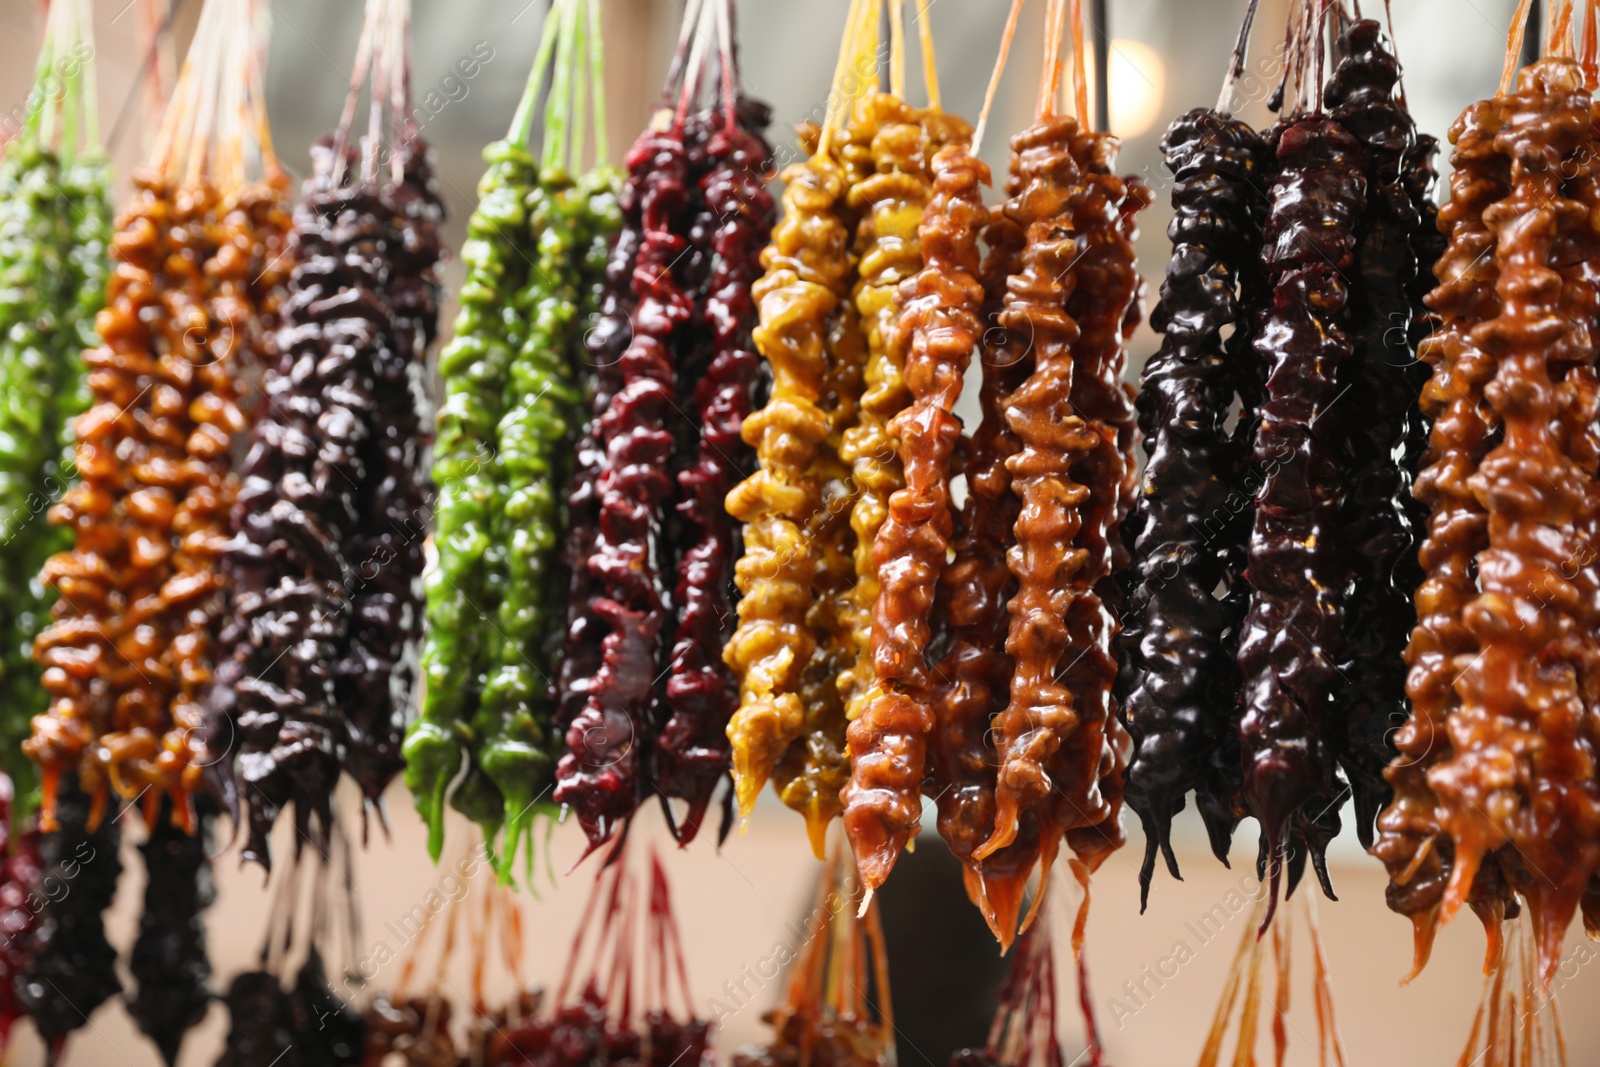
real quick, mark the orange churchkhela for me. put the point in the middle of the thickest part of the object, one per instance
(1505, 655)
(195, 283)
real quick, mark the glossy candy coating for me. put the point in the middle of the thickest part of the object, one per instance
(1292, 635)
(1184, 692)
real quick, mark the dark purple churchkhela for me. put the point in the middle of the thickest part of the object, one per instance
(1293, 634)
(1381, 522)
(325, 563)
(72, 968)
(605, 338)
(1183, 697)
(305, 1025)
(375, 677)
(289, 581)
(260, 1027)
(169, 960)
(692, 748)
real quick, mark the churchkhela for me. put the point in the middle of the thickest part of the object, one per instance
(514, 387)
(323, 569)
(1275, 543)
(644, 698)
(890, 643)
(697, 512)
(1496, 797)
(193, 291)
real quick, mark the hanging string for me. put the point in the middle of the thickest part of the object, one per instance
(994, 75)
(1102, 66)
(1319, 43)
(897, 49)
(697, 58)
(1516, 49)
(725, 57)
(579, 52)
(522, 122)
(154, 72)
(1050, 77)
(930, 65)
(1591, 45)
(218, 103)
(833, 116)
(1560, 37)
(1236, 66)
(597, 79)
(1080, 66)
(680, 52)
(558, 105)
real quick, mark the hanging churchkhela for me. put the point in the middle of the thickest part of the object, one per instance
(514, 387)
(826, 1017)
(1496, 798)
(1271, 564)
(900, 444)
(168, 961)
(54, 219)
(789, 720)
(648, 699)
(1071, 300)
(194, 288)
(54, 223)
(70, 967)
(1048, 474)
(623, 998)
(269, 1014)
(829, 463)
(869, 343)
(327, 527)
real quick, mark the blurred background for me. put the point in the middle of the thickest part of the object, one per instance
(1156, 978)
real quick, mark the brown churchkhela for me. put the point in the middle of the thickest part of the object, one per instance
(1410, 842)
(888, 734)
(1046, 560)
(129, 653)
(1496, 802)
(189, 304)
(973, 674)
(938, 329)
(1522, 769)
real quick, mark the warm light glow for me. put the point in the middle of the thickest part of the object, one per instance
(1138, 86)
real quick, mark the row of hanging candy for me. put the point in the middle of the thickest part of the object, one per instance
(210, 618)
(889, 643)
(135, 396)
(601, 371)
(1402, 596)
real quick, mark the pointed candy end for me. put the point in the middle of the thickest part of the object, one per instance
(875, 863)
(1005, 832)
(433, 812)
(747, 785)
(817, 824)
(1424, 926)
(1003, 904)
